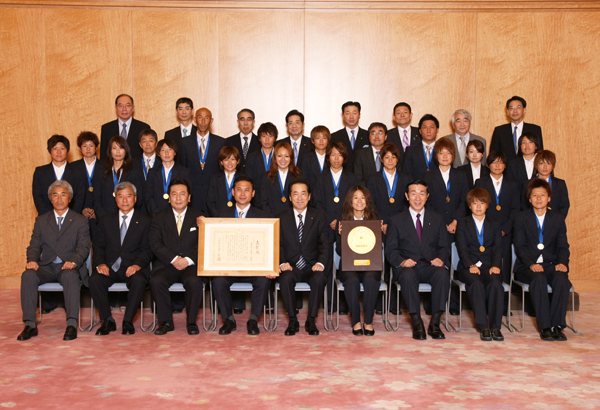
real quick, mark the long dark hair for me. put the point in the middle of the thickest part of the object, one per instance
(109, 162)
(293, 169)
(348, 211)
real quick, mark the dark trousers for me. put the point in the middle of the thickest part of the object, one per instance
(423, 272)
(547, 314)
(486, 295)
(287, 282)
(31, 279)
(136, 284)
(223, 296)
(352, 281)
(160, 282)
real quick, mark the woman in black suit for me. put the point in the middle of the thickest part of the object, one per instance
(358, 205)
(522, 169)
(314, 162)
(275, 184)
(474, 169)
(220, 194)
(156, 197)
(545, 161)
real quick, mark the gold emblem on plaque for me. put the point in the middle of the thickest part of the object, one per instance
(361, 240)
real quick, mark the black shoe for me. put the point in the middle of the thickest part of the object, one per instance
(531, 313)
(70, 333)
(454, 312)
(311, 328)
(292, 328)
(107, 327)
(358, 332)
(28, 333)
(228, 327)
(546, 335)
(343, 312)
(435, 332)
(505, 314)
(192, 329)
(163, 328)
(378, 312)
(486, 335)
(46, 311)
(368, 332)
(419, 332)
(497, 335)
(128, 328)
(177, 310)
(252, 327)
(428, 312)
(237, 311)
(393, 311)
(558, 335)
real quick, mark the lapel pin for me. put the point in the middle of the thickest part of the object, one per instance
(70, 220)
(136, 222)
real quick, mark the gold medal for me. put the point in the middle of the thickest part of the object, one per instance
(283, 199)
(361, 240)
(115, 195)
(166, 196)
(447, 199)
(498, 207)
(336, 199)
(229, 204)
(392, 200)
(482, 249)
(540, 246)
(91, 189)
(202, 165)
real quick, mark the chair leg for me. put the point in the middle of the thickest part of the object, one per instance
(40, 307)
(572, 311)
(93, 321)
(508, 313)
(151, 326)
(385, 314)
(522, 311)
(448, 323)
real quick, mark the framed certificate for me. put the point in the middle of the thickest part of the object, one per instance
(361, 246)
(238, 247)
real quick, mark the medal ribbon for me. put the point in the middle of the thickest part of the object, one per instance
(145, 168)
(167, 181)
(392, 190)
(540, 229)
(498, 194)
(336, 188)
(115, 178)
(90, 176)
(229, 186)
(427, 162)
(203, 157)
(267, 159)
(479, 235)
(281, 185)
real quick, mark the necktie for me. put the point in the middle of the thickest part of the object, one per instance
(428, 152)
(117, 265)
(301, 262)
(405, 140)
(461, 149)
(515, 139)
(203, 145)
(245, 147)
(295, 153)
(352, 140)
(241, 214)
(179, 223)
(60, 219)
(377, 161)
(184, 132)
(124, 132)
(419, 227)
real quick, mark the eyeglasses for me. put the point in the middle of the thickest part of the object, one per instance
(121, 106)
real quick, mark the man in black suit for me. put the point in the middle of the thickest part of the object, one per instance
(505, 137)
(418, 157)
(148, 160)
(301, 145)
(304, 245)
(174, 241)
(121, 254)
(184, 108)
(351, 135)
(245, 141)
(367, 161)
(403, 135)
(243, 191)
(200, 155)
(59, 246)
(540, 237)
(125, 125)
(417, 247)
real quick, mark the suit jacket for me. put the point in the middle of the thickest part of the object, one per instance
(362, 141)
(502, 139)
(176, 136)
(104, 201)
(255, 168)
(111, 129)
(414, 163)
(270, 195)
(139, 165)
(227, 212)
(395, 138)
(323, 194)
(456, 208)
(364, 165)
(70, 244)
(166, 243)
(315, 243)
(457, 163)
(44, 176)
(377, 186)
(526, 240)
(135, 249)
(468, 245)
(81, 170)
(517, 171)
(559, 201)
(468, 171)
(402, 241)
(154, 187)
(236, 141)
(189, 157)
(311, 169)
(217, 193)
(510, 203)
(304, 148)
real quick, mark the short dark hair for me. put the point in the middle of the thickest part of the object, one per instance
(494, 155)
(531, 136)
(320, 129)
(402, 104)
(267, 128)
(440, 145)
(144, 133)
(180, 181)
(245, 110)
(391, 148)
(416, 182)
(546, 156)
(429, 117)
(86, 136)
(341, 147)
(296, 182)
(168, 142)
(229, 151)
(478, 194)
(294, 112)
(478, 146)
(349, 104)
(124, 95)
(377, 125)
(538, 183)
(184, 100)
(517, 98)
(241, 178)
(55, 139)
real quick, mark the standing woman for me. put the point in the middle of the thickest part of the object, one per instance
(259, 162)
(221, 184)
(544, 164)
(313, 162)
(275, 184)
(117, 168)
(522, 168)
(474, 169)
(156, 192)
(358, 205)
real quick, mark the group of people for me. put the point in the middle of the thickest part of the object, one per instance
(140, 204)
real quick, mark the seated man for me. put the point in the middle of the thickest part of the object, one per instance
(540, 238)
(417, 247)
(174, 242)
(121, 254)
(303, 251)
(243, 192)
(59, 246)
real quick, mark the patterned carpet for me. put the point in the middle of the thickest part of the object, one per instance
(332, 371)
